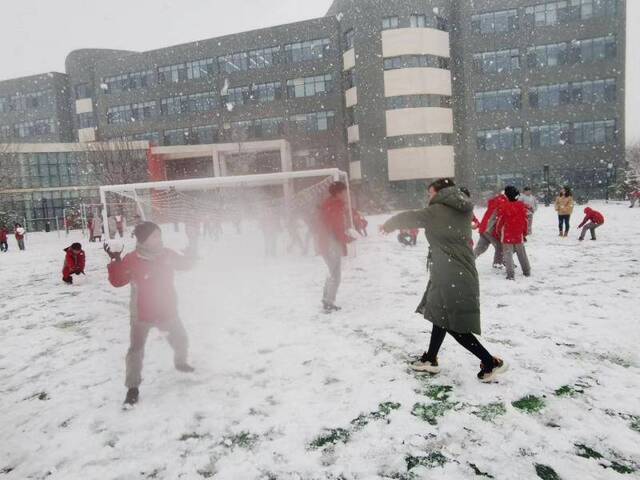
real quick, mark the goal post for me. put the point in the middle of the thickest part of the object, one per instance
(170, 201)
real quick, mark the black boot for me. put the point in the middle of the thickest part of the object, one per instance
(132, 396)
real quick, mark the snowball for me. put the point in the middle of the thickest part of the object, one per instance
(115, 246)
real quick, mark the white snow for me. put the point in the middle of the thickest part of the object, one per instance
(272, 372)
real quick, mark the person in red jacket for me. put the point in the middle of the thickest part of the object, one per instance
(74, 262)
(150, 270)
(359, 222)
(20, 233)
(409, 238)
(592, 220)
(4, 234)
(332, 241)
(512, 230)
(486, 229)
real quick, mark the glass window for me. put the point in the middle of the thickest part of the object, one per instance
(234, 62)
(266, 92)
(172, 73)
(127, 81)
(505, 139)
(418, 21)
(348, 39)
(314, 121)
(350, 79)
(306, 51)
(186, 104)
(390, 22)
(595, 132)
(497, 62)
(205, 68)
(495, 22)
(263, 58)
(237, 96)
(35, 128)
(309, 86)
(178, 136)
(547, 55)
(416, 61)
(4, 105)
(553, 135)
(83, 90)
(205, 134)
(86, 120)
(418, 101)
(498, 100)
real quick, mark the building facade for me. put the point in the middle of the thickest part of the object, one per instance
(394, 92)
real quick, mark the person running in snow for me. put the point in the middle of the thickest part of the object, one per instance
(332, 241)
(451, 301)
(74, 262)
(592, 220)
(531, 203)
(4, 234)
(564, 207)
(408, 238)
(112, 224)
(19, 233)
(512, 232)
(486, 229)
(360, 223)
(150, 271)
(121, 224)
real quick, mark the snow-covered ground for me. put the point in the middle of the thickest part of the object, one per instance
(282, 391)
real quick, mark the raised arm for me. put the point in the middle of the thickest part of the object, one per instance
(408, 220)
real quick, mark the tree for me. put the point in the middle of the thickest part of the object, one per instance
(116, 162)
(9, 165)
(632, 168)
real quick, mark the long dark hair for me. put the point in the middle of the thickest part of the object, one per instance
(442, 183)
(567, 192)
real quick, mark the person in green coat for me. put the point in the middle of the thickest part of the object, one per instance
(451, 301)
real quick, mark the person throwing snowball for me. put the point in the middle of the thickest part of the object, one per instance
(451, 301)
(150, 270)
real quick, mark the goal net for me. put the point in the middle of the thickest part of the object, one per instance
(277, 205)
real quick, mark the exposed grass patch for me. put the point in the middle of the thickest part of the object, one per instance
(432, 460)
(635, 423)
(479, 472)
(430, 412)
(242, 440)
(438, 393)
(490, 411)
(546, 472)
(587, 452)
(331, 437)
(529, 404)
(567, 391)
(193, 435)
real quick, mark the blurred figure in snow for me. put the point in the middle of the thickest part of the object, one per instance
(487, 231)
(150, 270)
(4, 234)
(74, 262)
(19, 233)
(121, 224)
(564, 207)
(192, 230)
(531, 203)
(112, 224)
(592, 220)
(634, 197)
(96, 228)
(511, 228)
(332, 241)
(409, 237)
(360, 223)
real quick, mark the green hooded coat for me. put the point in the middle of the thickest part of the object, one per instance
(452, 298)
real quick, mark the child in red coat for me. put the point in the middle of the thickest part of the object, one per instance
(592, 220)
(512, 230)
(150, 270)
(4, 233)
(74, 262)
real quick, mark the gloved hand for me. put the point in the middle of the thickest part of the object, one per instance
(114, 256)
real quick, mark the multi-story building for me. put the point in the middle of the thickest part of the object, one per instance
(394, 92)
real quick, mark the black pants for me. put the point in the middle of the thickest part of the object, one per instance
(4, 246)
(564, 220)
(467, 340)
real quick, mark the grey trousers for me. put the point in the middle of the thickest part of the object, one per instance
(21, 244)
(530, 223)
(485, 240)
(589, 227)
(333, 259)
(521, 252)
(138, 338)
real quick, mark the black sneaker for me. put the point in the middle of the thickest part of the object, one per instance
(423, 364)
(184, 367)
(132, 396)
(487, 375)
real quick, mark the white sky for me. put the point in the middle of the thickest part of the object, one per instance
(36, 35)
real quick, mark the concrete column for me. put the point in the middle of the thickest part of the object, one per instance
(215, 157)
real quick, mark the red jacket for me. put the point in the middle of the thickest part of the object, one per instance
(512, 225)
(3, 234)
(19, 236)
(332, 224)
(73, 262)
(489, 215)
(153, 291)
(591, 215)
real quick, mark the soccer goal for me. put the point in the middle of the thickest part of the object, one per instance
(274, 198)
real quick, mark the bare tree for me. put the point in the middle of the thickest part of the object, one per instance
(632, 170)
(116, 162)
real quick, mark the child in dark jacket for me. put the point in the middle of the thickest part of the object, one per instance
(592, 220)
(74, 262)
(512, 230)
(150, 270)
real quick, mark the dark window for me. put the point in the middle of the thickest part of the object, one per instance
(83, 90)
(389, 23)
(305, 51)
(237, 96)
(418, 101)
(266, 92)
(86, 120)
(501, 61)
(504, 139)
(553, 135)
(263, 58)
(172, 73)
(495, 22)
(187, 104)
(127, 81)
(416, 61)
(595, 132)
(35, 128)
(348, 39)
(350, 79)
(315, 121)
(498, 100)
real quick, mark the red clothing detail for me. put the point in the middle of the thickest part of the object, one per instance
(512, 222)
(153, 280)
(19, 236)
(492, 207)
(3, 235)
(332, 219)
(74, 262)
(591, 215)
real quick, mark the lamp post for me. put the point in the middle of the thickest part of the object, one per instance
(545, 170)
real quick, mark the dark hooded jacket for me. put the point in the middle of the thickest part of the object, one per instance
(452, 297)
